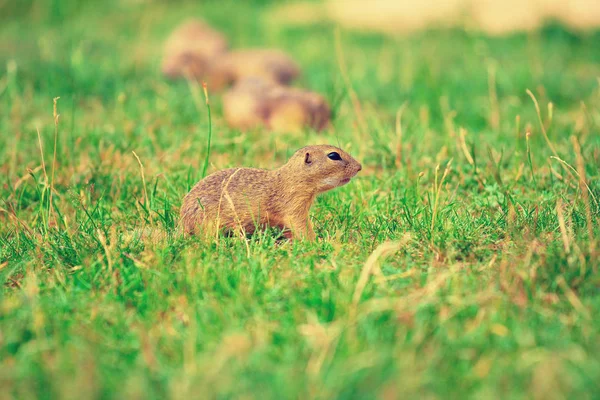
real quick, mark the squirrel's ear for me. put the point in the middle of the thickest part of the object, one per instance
(307, 159)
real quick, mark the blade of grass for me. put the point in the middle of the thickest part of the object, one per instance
(206, 159)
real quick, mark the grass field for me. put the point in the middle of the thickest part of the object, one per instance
(463, 261)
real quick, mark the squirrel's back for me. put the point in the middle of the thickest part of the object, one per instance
(235, 197)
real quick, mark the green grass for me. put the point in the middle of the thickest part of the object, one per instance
(487, 284)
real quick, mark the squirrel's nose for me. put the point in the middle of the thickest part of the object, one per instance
(359, 167)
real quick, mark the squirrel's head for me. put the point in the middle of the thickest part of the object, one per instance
(323, 167)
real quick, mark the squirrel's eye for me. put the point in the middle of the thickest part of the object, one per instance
(334, 156)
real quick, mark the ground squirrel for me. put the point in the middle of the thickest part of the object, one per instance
(243, 199)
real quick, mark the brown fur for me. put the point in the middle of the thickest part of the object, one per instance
(244, 199)
(255, 103)
(191, 49)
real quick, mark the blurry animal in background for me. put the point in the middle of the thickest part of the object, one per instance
(256, 78)
(198, 51)
(270, 65)
(191, 49)
(254, 103)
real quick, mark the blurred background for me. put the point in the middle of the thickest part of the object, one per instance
(460, 61)
(391, 16)
(490, 16)
(438, 56)
(413, 86)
